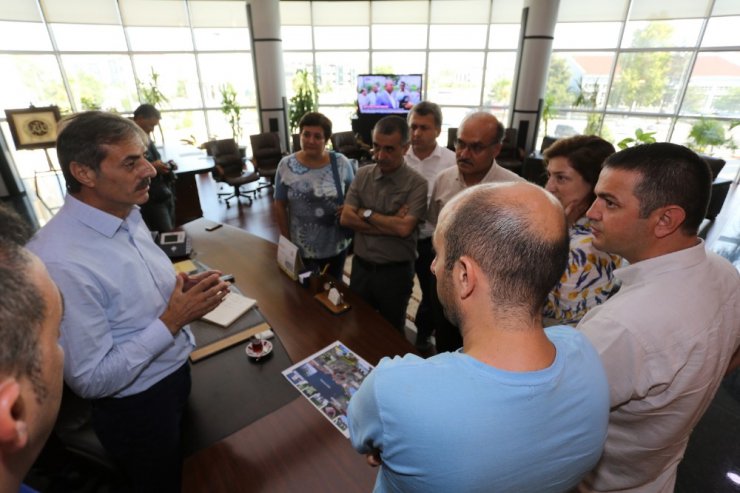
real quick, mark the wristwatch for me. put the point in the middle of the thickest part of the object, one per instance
(366, 214)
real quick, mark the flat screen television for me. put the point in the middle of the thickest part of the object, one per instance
(388, 93)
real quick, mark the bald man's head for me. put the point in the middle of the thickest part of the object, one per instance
(516, 233)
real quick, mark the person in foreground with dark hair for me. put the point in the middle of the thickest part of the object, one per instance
(310, 186)
(125, 328)
(667, 337)
(30, 360)
(573, 167)
(384, 206)
(518, 408)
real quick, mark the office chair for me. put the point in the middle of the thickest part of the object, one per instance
(296, 141)
(451, 138)
(346, 143)
(74, 429)
(229, 169)
(266, 154)
(511, 156)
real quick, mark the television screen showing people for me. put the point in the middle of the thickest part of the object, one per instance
(383, 93)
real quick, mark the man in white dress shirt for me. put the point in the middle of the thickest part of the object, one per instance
(667, 337)
(429, 159)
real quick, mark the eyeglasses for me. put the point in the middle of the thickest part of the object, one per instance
(475, 148)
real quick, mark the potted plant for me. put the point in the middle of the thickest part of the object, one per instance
(705, 134)
(149, 93)
(639, 138)
(305, 99)
(230, 107)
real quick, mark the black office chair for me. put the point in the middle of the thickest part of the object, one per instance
(346, 143)
(451, 138)
(230, 170)
(296, 142)
(266, 154)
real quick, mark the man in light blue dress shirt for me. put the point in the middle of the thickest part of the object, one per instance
(124, 330)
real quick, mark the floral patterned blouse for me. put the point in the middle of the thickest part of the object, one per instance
(312, 205)
(588, 281)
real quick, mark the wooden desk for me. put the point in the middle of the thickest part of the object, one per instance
(189, 163)
(293, 448)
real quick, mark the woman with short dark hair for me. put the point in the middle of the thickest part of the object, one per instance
(573, 167)
(310, 186)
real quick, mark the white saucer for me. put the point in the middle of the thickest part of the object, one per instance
(266, 349)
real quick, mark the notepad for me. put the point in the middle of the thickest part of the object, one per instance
(233, 306)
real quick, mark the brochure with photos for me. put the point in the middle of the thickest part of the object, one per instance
(328, 379)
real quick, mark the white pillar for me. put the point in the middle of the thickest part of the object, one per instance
(535, 47)
(269, 75)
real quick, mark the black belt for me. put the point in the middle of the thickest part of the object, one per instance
(373, 267)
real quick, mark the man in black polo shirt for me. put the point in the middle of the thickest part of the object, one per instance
(384, 205)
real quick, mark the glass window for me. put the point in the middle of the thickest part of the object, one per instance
(178, 125)
(292, 63)
(578, 79)
(217, 13)
(622, 126)
(710, 136)
(659, 34)
(726, 7)
(221, 38)
(399, 36)
(76, 37)
(714, 86)
(219, 69)
(295, 13)
(451, 37)
(153, 12)
(336, 75)
(400, 11)
(577, 34)
(349, 38)
(395, 62)
(340, 117)
(296, 37)
(460, 11)
(593, 10)
(101, 82)
(220, 129)
(667, 9)
(178, 79)
(506, 11)
(722, 31)
(503, 36)
(81, 11)
(451, 118)
(160, 38)
(26, 36)
(31, 79)
(648, 81)
(341, 13)
(455, 78)
(499, 79)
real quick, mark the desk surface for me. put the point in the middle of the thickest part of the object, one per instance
(294, 448)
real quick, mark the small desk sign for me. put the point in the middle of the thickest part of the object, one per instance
(288, 258)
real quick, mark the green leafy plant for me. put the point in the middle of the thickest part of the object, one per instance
(305, 100)
(149, 91)
(89, 103)
(548, 112)
(639, 138)
(705, 134)
(230, 107)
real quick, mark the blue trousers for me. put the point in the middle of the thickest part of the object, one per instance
(142, 432)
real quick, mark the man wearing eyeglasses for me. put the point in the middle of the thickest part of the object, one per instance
(478, 143)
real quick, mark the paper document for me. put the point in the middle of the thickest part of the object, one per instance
(233, 306)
